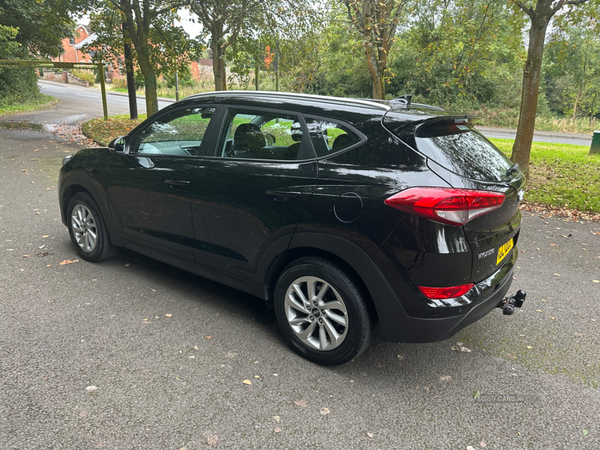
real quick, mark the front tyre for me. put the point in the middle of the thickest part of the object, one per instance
(87, 229)
(322, 312)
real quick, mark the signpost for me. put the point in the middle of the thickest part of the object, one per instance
(63, 65)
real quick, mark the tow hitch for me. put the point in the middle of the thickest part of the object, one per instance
(508, 305)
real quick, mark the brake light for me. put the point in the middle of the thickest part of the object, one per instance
(446, 205)
(443, 293)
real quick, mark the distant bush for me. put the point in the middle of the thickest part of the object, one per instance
(120, 83)
(85, 75)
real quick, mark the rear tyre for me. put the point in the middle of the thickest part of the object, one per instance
(322, 312)
(87, 229)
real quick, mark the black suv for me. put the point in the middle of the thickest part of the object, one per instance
(340, 213)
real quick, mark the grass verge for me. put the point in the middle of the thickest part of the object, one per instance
(561, 175)
(103, 131)
(39, 102)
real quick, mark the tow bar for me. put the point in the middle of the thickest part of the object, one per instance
(508, 305)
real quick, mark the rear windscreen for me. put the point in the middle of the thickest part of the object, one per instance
(462, 150)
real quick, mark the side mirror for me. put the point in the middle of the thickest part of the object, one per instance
(119, 145)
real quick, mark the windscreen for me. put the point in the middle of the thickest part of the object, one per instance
(462, 150)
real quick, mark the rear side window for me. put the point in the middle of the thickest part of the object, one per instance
(329, 137)
(463, 151)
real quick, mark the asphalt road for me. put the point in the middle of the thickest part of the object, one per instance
(78, 100)
(132, 353)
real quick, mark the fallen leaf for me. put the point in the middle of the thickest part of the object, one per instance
(584, 432)
(66, 261)
(45, 236)
(277, 418)
(482, 444)
(91, 388)
(256, 376)
(595, 281)
(127, 265)
(529, 346)
(325, 411)
(277, 430)
(553, 318)
(248, 382)
(213, 440)
(446, 378)
(557, 274)
(208, 337)
(301, 403)
(538, 310)
(25, 256)
(370, 435)
(168, 315)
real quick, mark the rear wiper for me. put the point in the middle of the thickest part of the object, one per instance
(514, 168)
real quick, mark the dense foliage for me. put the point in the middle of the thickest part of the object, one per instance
(16, 85)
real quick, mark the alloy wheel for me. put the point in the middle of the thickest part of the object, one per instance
(316, 313)
(84, 228)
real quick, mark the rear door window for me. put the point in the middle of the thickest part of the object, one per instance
(462, 150)
(263, 135)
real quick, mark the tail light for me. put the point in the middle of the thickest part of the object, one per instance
(443, 293)
(446, 205)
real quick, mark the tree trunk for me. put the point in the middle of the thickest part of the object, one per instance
(131, 91)
(530, 92)
(149, 82)
(376, 74)
(576, 103)
(218, 65)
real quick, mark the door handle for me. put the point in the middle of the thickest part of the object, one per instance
(283, 194)
(178, 182)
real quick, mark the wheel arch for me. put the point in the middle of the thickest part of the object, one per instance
(351, 259)
(75, 185)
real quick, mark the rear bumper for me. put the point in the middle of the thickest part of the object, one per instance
(397, 326)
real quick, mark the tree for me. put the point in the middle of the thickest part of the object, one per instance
(573, 66)
(540, 13)
(458, 54)
(159, 47)
(377, 21)
(41, 25)
(223, 20)
(227, 21)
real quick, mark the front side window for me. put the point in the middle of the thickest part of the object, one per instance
(262, 135)
(179, 133)
(330, 137)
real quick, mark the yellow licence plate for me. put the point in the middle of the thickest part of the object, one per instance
(504, 250)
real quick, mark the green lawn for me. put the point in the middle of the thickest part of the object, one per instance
(42, 101)
(561, 175)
